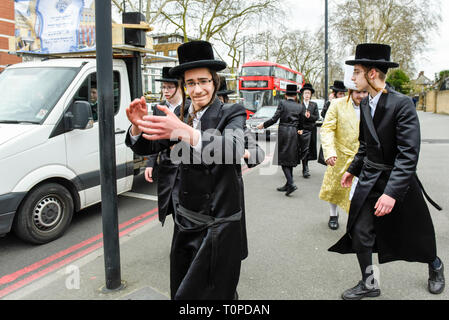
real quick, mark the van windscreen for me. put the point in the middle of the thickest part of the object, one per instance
(29, 94)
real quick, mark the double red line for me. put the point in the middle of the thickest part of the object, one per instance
(88, 246)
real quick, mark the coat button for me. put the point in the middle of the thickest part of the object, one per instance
(185, 193)
(207, 196)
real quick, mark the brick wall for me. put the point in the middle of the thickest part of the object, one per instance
(437, 101)
(6, 29)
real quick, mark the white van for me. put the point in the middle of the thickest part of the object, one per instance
(49, 144)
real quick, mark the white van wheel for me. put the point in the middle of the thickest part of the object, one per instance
(45, 214)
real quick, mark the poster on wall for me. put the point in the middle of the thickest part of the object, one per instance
(54, 26)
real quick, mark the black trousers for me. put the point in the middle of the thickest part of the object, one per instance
(362, 233)
(288, 172)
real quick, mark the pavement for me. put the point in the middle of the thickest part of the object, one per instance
(288, 242)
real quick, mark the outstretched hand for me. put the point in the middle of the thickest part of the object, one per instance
(137, 110)
(160, 127)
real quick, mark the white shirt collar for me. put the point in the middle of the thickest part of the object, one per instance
(172, 107)
(375, 100)
(197, 116)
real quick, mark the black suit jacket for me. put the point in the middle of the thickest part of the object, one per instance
(309, 123)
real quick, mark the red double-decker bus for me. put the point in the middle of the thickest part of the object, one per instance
(263, 83)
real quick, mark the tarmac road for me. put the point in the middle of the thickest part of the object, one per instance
(288, 242)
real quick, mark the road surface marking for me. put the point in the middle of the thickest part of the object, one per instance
(140, 196)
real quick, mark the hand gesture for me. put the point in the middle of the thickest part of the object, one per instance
(346, 180)
(167, 127)
(331, 161)
(137, 110)
(300, 132)
(260, 126)
(384, 205)
(307, 114)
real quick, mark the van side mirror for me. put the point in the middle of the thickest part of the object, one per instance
(79, 116)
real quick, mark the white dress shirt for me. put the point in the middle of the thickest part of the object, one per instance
(374, 101)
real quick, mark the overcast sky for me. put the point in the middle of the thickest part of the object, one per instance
(311, 13)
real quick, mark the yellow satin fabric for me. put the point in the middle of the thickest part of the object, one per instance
(339, 138)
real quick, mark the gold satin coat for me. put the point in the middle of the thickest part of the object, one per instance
(339, 138)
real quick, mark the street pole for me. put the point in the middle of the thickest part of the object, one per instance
(109, 212)
(326, 50)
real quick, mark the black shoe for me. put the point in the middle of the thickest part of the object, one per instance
(436, 279)
(360, 291)
(305, 169)
(282, 189)
(333, 223)
(290, 189)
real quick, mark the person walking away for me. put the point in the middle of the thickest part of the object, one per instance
(291, 121)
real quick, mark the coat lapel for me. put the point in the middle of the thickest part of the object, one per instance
(380, 110)
(365, 112)
(210, 118)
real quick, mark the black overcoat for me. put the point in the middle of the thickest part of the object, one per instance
(291, 119)
(391, 139)
(311, 130)
(207, 245)
(167, 172)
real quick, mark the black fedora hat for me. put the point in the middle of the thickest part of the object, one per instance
(223, 90)
(339, 86)
(291, 89)
(166, 76)
(373, 55)
(196, 54)
(307, 86)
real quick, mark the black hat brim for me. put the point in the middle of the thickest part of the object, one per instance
(216, 65)
(373, 63)
(167, 80)
(310, 89)
(291, 92)
(338, 89)
(221, 93)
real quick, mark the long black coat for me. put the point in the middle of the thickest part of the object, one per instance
(291, 119)
(167, 172)
(309, 125)
(392, 138)
(205, 257)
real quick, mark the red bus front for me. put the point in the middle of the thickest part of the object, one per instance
(263, 84)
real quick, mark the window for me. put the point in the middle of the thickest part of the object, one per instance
(29, 94)
(88, 92)
(280, 73)
(160, 53)
(256, 71)
(172, 53)
(155, 40)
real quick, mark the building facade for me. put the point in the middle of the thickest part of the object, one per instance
(164, 45)
(7, 29)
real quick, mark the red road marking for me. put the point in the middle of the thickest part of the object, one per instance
(13, 276)
(70, 259)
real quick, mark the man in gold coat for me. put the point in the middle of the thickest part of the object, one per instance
(339, 138)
